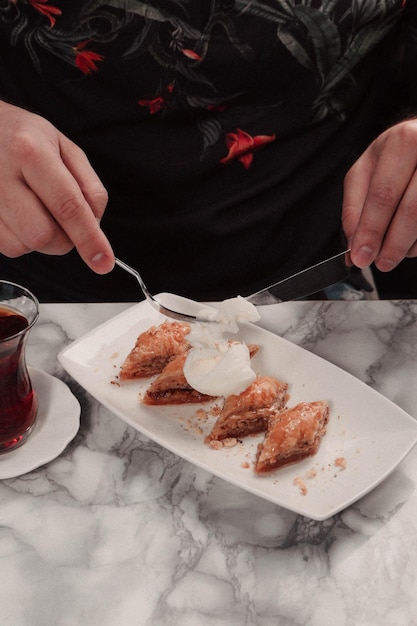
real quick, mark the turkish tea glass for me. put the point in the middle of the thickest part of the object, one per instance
(19, 310)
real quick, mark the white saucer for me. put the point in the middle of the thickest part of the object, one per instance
(57, 424)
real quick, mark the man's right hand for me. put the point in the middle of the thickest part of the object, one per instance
(51, 199)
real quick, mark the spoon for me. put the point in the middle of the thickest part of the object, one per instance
(177, 315)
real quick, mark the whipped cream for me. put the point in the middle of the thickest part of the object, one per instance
(232, 312)
(215, 365)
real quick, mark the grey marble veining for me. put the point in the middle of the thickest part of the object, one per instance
(119, 532)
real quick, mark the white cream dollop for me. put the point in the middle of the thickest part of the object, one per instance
(232, 312)
(222, 370)
(214, 365)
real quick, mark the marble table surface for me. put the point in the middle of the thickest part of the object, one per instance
(117, 531)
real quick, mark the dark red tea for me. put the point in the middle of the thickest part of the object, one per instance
(11, 322)
(18, 403)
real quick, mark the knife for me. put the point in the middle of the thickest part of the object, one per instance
(304, 283)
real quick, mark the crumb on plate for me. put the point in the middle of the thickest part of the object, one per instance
(340, 462)
(201, 415)
(299, 482)
(228, 442)
(215, 445)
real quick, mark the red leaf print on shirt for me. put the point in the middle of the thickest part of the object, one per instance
(191, 54)
(41, 7)
(242, 145)
(158, 103)
(85, 60)
(154, 105)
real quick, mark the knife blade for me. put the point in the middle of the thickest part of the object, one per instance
(305, 282)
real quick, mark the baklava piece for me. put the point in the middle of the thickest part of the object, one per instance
(154, 348)
(249, 412)
(293, 434)
(171, 386)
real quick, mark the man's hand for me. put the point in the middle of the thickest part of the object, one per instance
(51, 200)
(379, 214)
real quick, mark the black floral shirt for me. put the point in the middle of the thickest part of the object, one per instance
(222, 128)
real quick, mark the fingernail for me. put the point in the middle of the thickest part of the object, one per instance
(102, 263)
(97, 258)
(364, 256)
(385, 265)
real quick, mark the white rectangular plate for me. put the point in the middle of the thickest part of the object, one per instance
(368, 431)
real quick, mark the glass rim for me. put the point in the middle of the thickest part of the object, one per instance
(35, 300)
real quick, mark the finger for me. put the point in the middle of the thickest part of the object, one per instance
(383, 195)
(412, 252)
(10, 244)
(402, 231)
(31, 224)
(63, 198)
(90, 184)
(355, 189)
